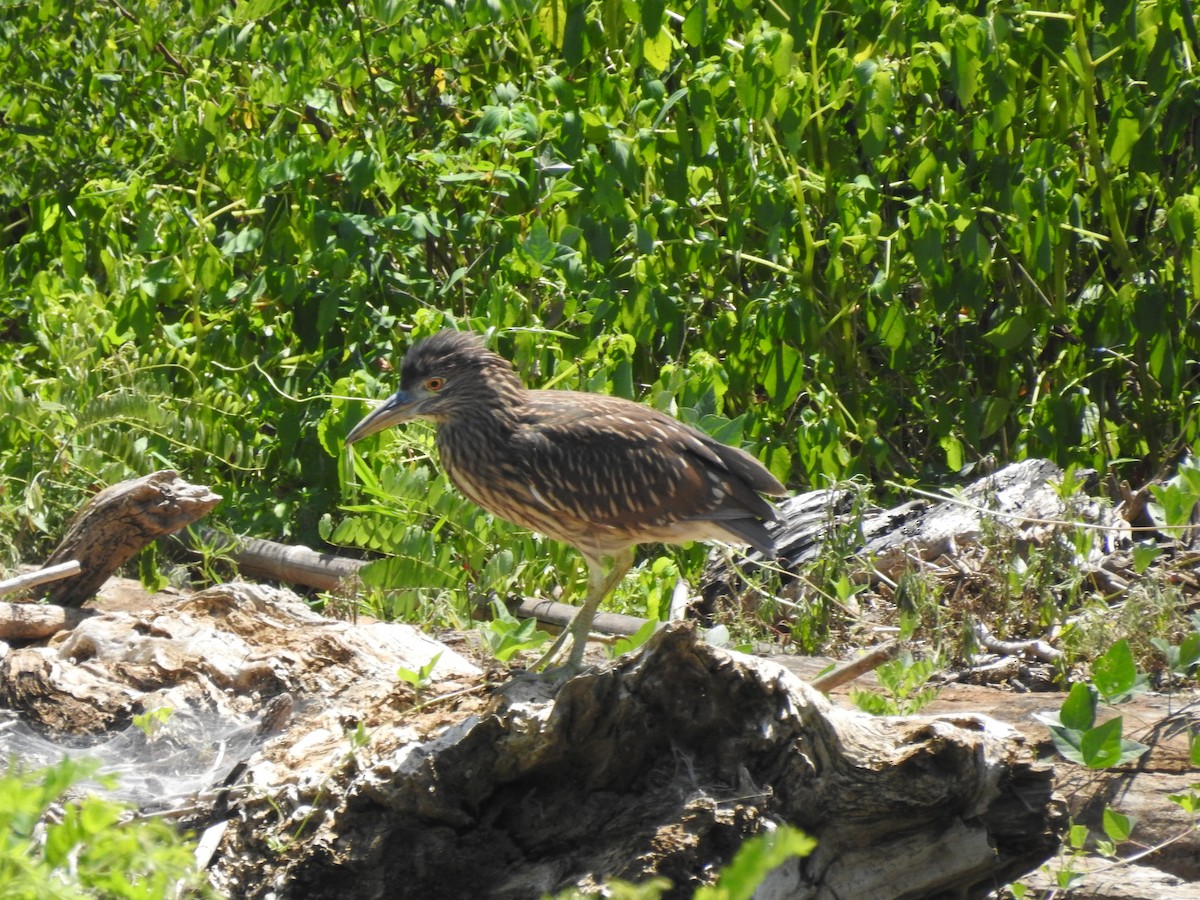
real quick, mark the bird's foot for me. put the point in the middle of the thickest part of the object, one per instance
(547, 669)
(565, 672)
(531, 685)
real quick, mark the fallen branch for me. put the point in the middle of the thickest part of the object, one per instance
(288, 563)
(550, 612)
(40, 577)
(868, 662)
(1034, 649)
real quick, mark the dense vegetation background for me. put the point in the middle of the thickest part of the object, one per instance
(877, 239)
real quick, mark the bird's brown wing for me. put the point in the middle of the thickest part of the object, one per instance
(613, 464)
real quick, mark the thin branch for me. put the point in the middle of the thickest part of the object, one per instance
(42, 576)
(159, 46)
(868, 662)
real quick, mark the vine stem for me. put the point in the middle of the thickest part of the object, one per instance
(1087, 66)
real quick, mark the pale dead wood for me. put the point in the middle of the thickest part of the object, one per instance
(856, 668)
(32, 621)
(118, 522)
(1031, 649)
(659, 763)
(40, 577)
(231, 648)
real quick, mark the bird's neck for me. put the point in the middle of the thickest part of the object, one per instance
(496, 415)
(472, 444)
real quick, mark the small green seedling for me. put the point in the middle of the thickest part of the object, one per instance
(754, 861)
(153, 721)
(1183, 660)
(623, 645)
(507, 635)
(420, 678)
(1116, 675)
(1079, 739)
(905, 688)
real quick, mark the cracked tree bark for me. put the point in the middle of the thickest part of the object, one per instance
(118, 522)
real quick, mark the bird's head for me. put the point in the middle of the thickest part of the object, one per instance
(444, 377)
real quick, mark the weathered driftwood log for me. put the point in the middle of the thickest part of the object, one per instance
(121, 520)
(228, 648)
(1020, 499)
(658, 764)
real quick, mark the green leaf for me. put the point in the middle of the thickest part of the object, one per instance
(1100, 747)
(538, 244)
(1077, 837)
(953, 449)
(783, 377)
(652, 16)
(1123, 133)
(892, 328)
(1189, 654)
(245, 241)
(1117, 826)
(657, 50)
(643, 634)
(1144, 553)
(1175, 504)
(1103, 747)
(754, 861)
(1010, 334)
(507, 636)
(419, 679)
(1189, 802)
(552, 20)
(1068, 742)
(1115, 675)
(1078, 711)
(695, 23)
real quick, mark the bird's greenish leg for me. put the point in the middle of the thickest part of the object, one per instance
(600, 583)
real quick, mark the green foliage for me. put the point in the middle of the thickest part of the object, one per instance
(153, 721)
(1115, 675)
(85, 848)
(1079, 739)
(1177, 499)
(1117, 829)
(754, 861)
(626, 644)
(506, 634)
(862, 240)
(905, 692)
(1183, 660)
(1189, 801)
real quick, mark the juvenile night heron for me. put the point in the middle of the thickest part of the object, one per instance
(596, 472)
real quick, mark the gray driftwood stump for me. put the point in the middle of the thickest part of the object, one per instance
(118, 522)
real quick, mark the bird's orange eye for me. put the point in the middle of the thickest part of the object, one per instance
(434, 384)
